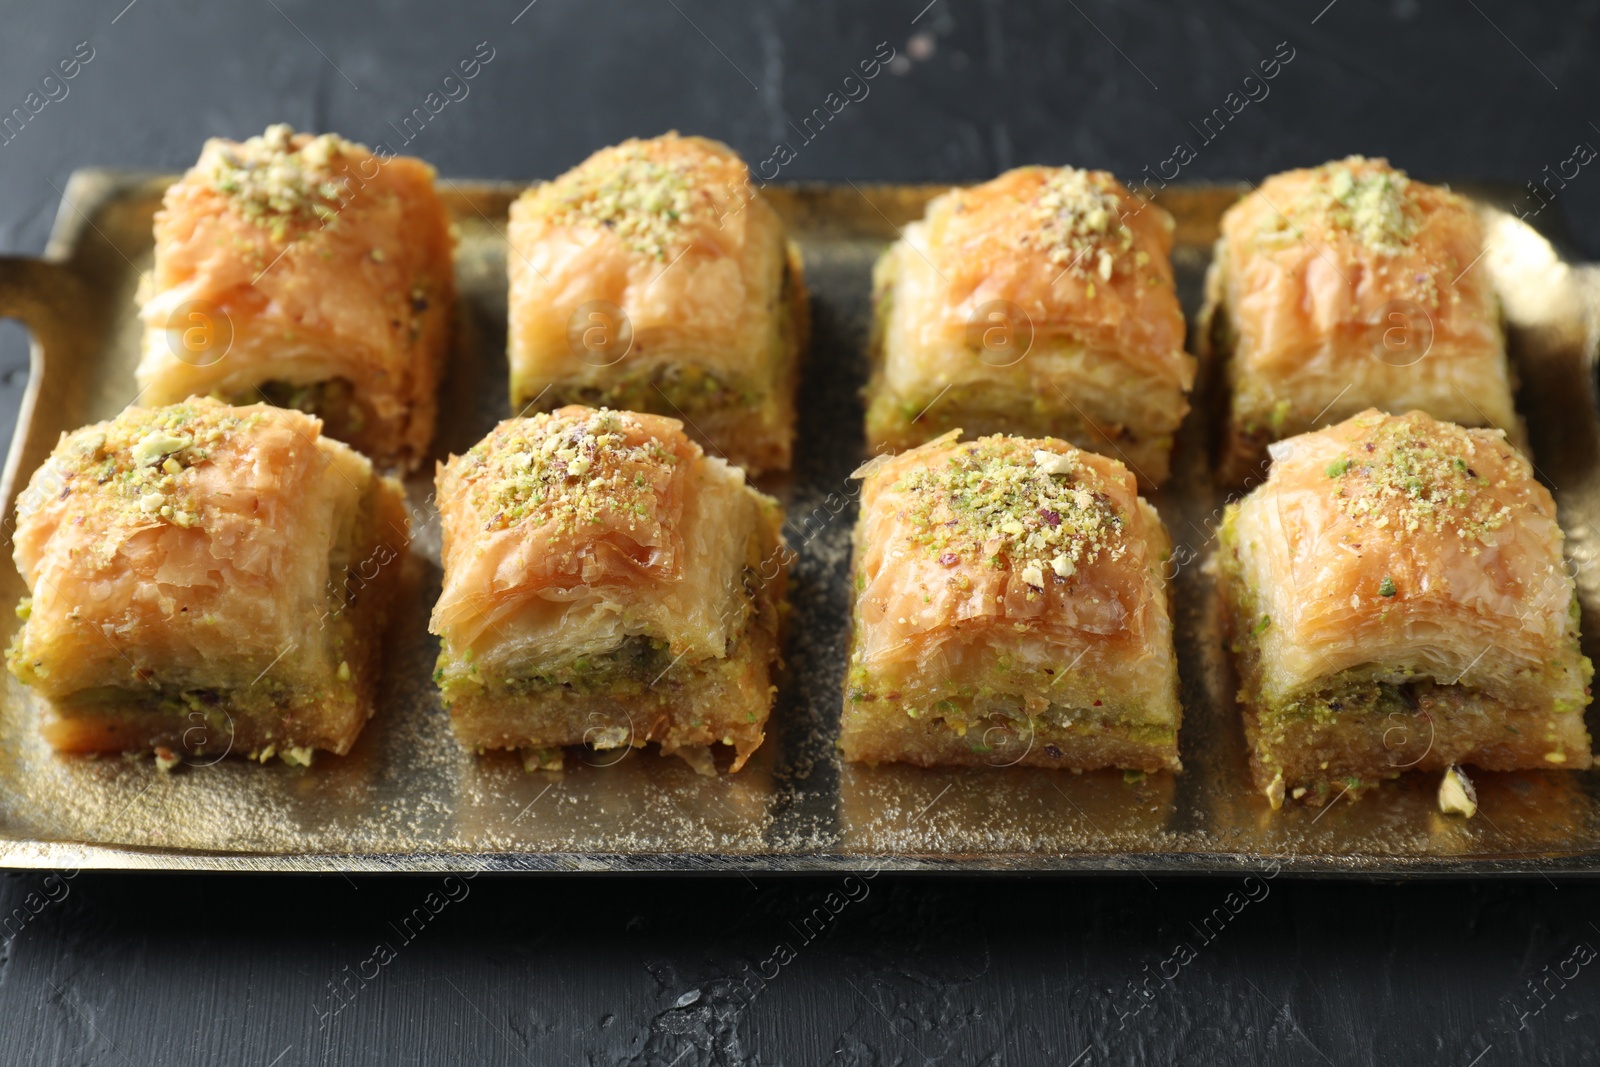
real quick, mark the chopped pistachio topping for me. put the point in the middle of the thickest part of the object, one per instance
(1052, 462)
(1404, 478)
(156, 444)
(998, 500)
(1367, 199)
(1376, 207)
(137, 467)
(648, 204)
(296, 755)
(280, 179)
(574, 470)
(1386, 587)
(1080, 221)
(1457, 796)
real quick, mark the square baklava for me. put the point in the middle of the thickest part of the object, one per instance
(606, 583)
(205, 579)
(309, 273)
(655, 277)
(1397, 599)
(1041, 303)
(1349, 286)
(1010, 608)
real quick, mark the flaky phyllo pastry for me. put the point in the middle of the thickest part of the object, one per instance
(309, 273)
(1010, 608)
(1398, 600)
(1349, 286)
(654, 277)
(606, 583)
(1040, 303)
(205, 579)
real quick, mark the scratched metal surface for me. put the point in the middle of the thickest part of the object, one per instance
(408, 798)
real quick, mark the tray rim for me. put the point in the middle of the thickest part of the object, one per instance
(39, 856)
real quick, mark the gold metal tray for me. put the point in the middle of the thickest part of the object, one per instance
(408, 798)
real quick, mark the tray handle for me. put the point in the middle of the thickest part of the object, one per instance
(50, 300)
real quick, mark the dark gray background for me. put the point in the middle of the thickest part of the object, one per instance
(229, 970)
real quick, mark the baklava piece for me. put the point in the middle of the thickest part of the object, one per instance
(1010, 608)
(654, 277)
(606, 583)
(1042, 304)
(1397, 600)
(309, 273)
(1349, 286)
(205, 579)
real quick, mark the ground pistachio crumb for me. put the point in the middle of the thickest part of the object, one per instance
(998, 500)
(282, 180)
(136, 469)
(647, 201)
(1411, 473)
(571, 469)
(1457, 796)
(1079, 215)
(1366, 198)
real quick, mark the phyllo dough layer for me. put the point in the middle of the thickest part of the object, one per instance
(1010, 607)
(1398, 599)
(208, 579)
(1349, 286)
(606, 583)
(654, 277)
(1040, 303)
(309, 273)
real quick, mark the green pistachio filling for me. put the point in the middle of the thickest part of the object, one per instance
(333, 401)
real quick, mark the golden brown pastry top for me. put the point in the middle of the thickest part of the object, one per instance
(1033, 535)
(1077, 251)
(1402, 539)
(288, 215)
(183, 465)
(1313, 250)
(1407, 491)
(671, 231)
(652, 197)
(574, 495)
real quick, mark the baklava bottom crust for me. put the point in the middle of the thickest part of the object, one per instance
(891, 735)
(1440, 726)
(687, 710)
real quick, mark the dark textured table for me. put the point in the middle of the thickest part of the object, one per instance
(265, 972)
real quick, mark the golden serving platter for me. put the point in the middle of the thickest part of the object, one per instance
(408, 798)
